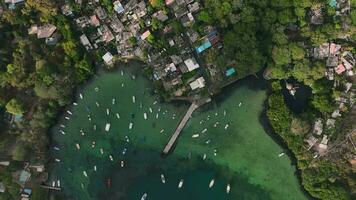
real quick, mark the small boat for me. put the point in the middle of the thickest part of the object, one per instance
(63, 133)
(58, 183)
(145, 115)
(216, 124)
(216, 114)
(130, 126)
(101, 150)
(111, 158)
(53, 183)
(240, 104)
(85, 174)
(80, 95)
(133, 99)
(201, 122)
(157, 116)
(81, 131)
(62, 126)
(144, 196)
(107, 111)
(69, 112)
(78, 146)
(118, 115)
(163, 179)
(195, 135)
(57, 160)
(211, 184)
(133, 77)
(281, 154)
(208, 141)
(97, 104)
(203, 131)
(107, 127)
(122, 163)
(228, 188)
(124, 151)
(151, 110)
(56, 148)
(162, 130)
(122, 84)
(122, 73)
(159, 109)
(94, 167)
(204, 156)
(154, 103)
(108, 182)
(226, 126)
(224, 112)
(180, 184)
(93, 144)
(96, 89)
(67, 118)
(141, 105)
(94, 127)
(75, 104)
(113, 101)
(82, 185)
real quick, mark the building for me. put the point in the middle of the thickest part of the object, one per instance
(44, 31)
(145, 35)
(198, 83)
(118, 7)
(108, 58)
(160, 15)
(100, 12)
(24, 177)
(191, 64)
(318, 127)
(340, 69)
(85, 42)
(94, 21)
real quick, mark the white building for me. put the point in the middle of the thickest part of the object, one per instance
(198, 83)
(108, 58)
(191, 64)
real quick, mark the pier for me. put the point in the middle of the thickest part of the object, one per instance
(51, 187)
(183, 122)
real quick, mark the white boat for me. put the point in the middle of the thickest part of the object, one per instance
(240, 104)
(53, 183)
(163, 179)
(111, 158)
(144, 196)
(204, 156)
(67, 118)
(216, 124)
(69, 112)
(107, 111)
(157, 116)
(113, 101)
(101, 150)
(75, 104)
(62, 126)
(203, 131)
(118, 115)
(145, 115)
(56, 148)
(124, 151)
(180, 184)
(82, 185)
(130, 125)
(85, 174)
(281, 154)
(63, 133)
(122, 163)
(226, 126)
(162, 130)
(211, 184)
(57, 160)
(216, 114)
(159, 109)
(97, 104)
(81, 131)
(122, 84)
(122, 73)
(127, 138)
(208, 141)
(93, 144)
(141, 105)
(94, 127)
(96, 89)
(201, 122)
(78, 146)
(94, 167)
(107, 127)
(58, 183)
(195, 135)
(228, 188)
(154, 103)
(224, 112)
(133, 99)
(151, 110)
(80, 95)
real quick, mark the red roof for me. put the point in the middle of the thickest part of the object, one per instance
(339, 69)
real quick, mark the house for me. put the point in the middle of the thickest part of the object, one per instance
(334, 49)
(134, 28)
(94, 21)
(169, 2)
(340, 69)
(82, 22)
(187, 20)
(323, 146)
(322, 51)
(318, 127)
(198, 83)
(53, 40)
(336, 113)
(100, 12)
(176, 59)
(194, 7)
(329, 73)
(330, 123)
(117, 26)
(317, 16)
(180, 12)
(13, 3)
(67, 10)
(332, 61)
(108, 58)
(160, 15)
(85, 42)
(193, 35)
(311, 141)
(141, 9)
(170, 83)
(106, 34)
(24, 177)
(171, 67)
(191, 64)
(44, 31)
(145, 35)
(26, 192)
(118, 7)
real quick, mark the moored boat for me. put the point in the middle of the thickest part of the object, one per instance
(228, 188)
(111, 158)
(195, 135)
(211, 184)
(180, 184)
(108, 182)
(77, 145)
(133, 99)
(281, 154)
(163, 179)
(107, 127)
(85, 174)
(145, 115)
(130, 125)
(144, 196)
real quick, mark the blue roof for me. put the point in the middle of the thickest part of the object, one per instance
(333, 3)
(230, 72)
(203, 47)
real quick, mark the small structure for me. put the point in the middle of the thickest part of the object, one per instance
(330, 123)
(198, 83)
(340, 69)
(145, 35)
(67, 10)
(85, 42)
(118, 7)
(38, 168)
(318, 127)
(24, 177)
(191, 64)
(100, 12)
(108, 58)
(203, 47)
(44, 31)
(94, 21)
(229, 72)
(160, 15)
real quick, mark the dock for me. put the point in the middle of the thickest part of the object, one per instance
(51, 187)
(183, 122)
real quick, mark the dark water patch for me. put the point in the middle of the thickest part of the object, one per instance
(299, 102)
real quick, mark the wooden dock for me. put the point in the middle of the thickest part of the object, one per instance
(182, 124)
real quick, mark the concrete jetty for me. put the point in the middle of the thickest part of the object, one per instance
(183, 122)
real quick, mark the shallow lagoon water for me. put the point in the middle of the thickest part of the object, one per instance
(246, 157)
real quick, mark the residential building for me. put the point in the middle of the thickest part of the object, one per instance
(198, 83)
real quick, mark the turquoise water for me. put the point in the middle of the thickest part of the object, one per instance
(242, 154)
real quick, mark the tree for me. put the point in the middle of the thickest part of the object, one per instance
(15, 107)
(19, 152)
(322, 103)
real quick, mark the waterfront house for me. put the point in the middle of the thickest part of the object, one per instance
(198, 83)
(191, 64)
(108, 58)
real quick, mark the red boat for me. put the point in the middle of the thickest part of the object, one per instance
(108, 183)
